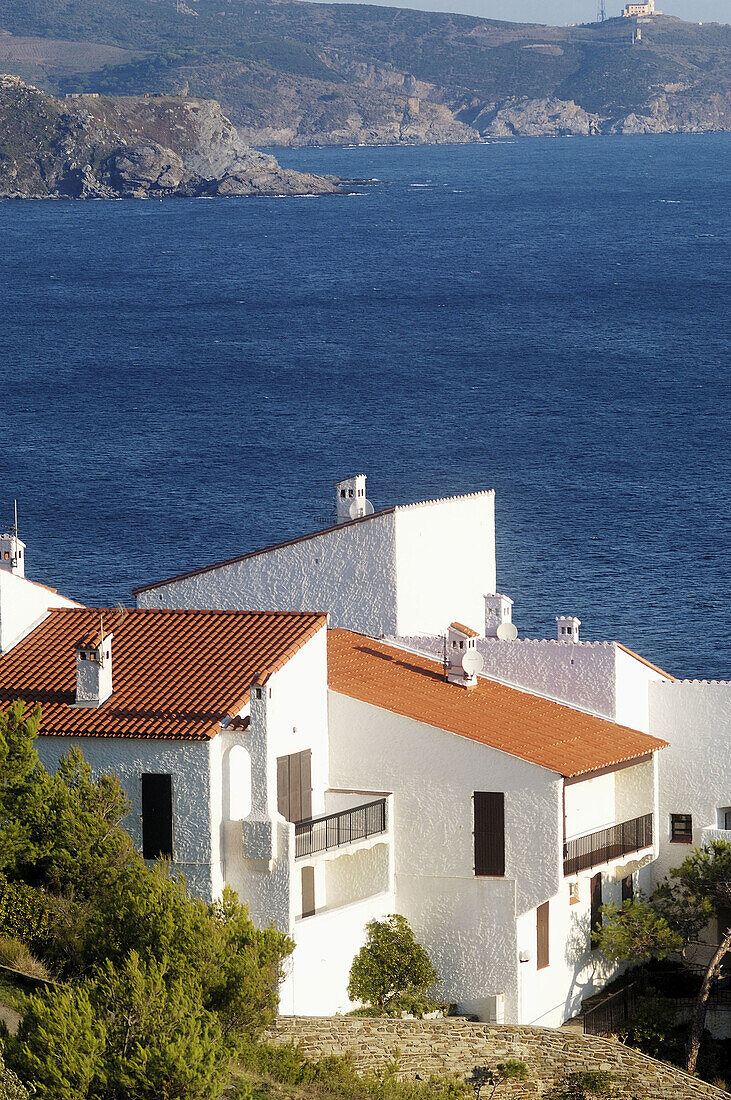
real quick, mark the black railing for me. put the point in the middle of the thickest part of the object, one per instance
(595, 848)
(319, 834)
(606, 1017)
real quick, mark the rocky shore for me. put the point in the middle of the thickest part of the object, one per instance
(103, 147)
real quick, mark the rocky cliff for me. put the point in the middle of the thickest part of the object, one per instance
(294, 73)
(101, 147)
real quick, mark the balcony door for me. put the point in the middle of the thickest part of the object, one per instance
(294, 786)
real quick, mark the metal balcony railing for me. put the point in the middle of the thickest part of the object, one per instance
(591, 850)
(320, 834)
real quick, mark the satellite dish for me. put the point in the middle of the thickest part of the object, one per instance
(357, 510)
(472, 662)
(507, 632)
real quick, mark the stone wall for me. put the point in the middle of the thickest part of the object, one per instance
(445, 1047)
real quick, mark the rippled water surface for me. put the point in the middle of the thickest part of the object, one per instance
(183, 381)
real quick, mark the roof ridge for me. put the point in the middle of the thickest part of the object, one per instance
(443, 500)
(190, 611)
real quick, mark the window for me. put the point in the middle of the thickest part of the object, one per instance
(573, 893)
(542, 936)
(342, 493)
(308, 891)
(489, 832)
(628, 889)
(157, 816)
(294, 786)
(681, 828)
(596, 905)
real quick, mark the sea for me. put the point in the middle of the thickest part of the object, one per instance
(183, 381)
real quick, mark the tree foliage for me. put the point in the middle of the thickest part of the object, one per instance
(679, 909)
(390, 964)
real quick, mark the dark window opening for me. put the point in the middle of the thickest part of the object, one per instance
(628, 889)
(489, 817)
(157, 816)
(294, 786)
(596, 906)
(681, 828)
(542, 952)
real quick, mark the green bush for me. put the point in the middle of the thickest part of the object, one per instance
(11, 1088)
(585, 1085)
(652, 1026)
(391, 967)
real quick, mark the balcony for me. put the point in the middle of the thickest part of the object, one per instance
(322, 834)
(583, 852)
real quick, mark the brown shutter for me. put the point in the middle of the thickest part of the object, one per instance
(489, 818)
(283, 786)
(628, 889)
(295, 789)
(308, 891)
(542, 955)
(305, 785)
(596, 904)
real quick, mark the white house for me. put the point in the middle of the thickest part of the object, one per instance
(515, 818)
(23, 603)
(408, 569)
(216, 725)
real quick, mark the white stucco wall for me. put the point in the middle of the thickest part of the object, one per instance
(189, 764)
(349, 571)
(445, 562)
(23, 605)
(633, 679)
(695, 770)
(317, 973)
(466, 923)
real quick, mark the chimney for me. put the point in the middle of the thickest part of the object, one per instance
(94, 669)
(462, 659)
(350, 499)
(568, 628)
(498, 610)
(12, 550)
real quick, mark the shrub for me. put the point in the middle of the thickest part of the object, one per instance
(491, 1078)
(390, 965)
(15, 954)
(25, 913)
(651, 1027)
(585, 1085)
(11, 1088)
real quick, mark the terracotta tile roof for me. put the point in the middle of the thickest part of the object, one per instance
(466, 630)
(176, 674)
(549, 734)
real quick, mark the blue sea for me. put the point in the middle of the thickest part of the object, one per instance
(182, 381)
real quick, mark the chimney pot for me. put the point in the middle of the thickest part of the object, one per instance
(94, 671)
(567, 628)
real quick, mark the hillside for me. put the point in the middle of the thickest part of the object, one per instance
(137, 147)
(300, 73)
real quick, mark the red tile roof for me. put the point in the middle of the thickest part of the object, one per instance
(176, 674)
(549, 734)
(466, 630)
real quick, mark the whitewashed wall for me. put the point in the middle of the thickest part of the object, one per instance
(633, 679)
(349, 571)
(445, 563)
(129, 758)
(23, 605)
(610, 798)
(467, 924)
(695, 770)
(412, 569)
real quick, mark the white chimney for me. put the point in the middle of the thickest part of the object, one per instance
(567, 628)
(350, 498)
(12, 550)
(462, 658)
(498, 610)
(94, 670)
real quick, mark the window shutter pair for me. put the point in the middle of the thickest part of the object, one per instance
(489, 818)
(294, 786)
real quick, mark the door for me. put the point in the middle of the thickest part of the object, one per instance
(157, 816)
(596, 905)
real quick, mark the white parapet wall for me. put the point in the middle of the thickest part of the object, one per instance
(23, 604)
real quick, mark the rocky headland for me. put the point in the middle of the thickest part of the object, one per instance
(104, 147)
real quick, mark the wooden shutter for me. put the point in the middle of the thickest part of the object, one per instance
(489, 815)
(628, 889)
(308, 891)
(283, 786)
(596, 904)
(157, 816)
(542, 954)
(294, 785)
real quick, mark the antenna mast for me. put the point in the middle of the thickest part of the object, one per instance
(601, 12)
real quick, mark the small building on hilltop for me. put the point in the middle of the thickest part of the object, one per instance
(639, 9)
